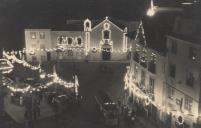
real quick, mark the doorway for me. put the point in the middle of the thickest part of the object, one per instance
(48, 56)
(106, 52)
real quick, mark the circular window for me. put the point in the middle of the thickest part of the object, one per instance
(106, 26)
(94, 50)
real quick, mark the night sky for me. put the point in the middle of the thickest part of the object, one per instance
(15, 15)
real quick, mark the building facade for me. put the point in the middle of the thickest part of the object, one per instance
(169, 83)
(92, 40)
(183, 76)
(145, 78)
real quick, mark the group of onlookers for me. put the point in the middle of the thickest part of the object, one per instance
(32, 109)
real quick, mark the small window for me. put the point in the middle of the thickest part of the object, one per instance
(190, 79)
(42, 35)
(87, 24)
(143, 78)
(106, 26)
(70, 53)
(79, 41)
(152, 64)
(173, 46)
(192, 53)
(172, 70)
(143, 58)
(70, 41)
(106, 34)
(151, 84)
(171, 93)
(188, 103)
(33, 35)
(60, 39)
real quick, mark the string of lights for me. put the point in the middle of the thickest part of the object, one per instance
(131, 84)
(63, 49)
(6, 69)
(13, 58)
(55, 78)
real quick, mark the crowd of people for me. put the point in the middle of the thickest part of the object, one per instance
(59, 100)
(32, 104)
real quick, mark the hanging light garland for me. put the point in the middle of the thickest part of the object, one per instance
(6, 69)
(55, 78)
(64, 47)
(13, 58)
(54, 81)
(61, 48)
(130, 85)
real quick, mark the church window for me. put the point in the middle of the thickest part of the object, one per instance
(106, 34)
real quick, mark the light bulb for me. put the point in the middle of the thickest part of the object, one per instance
(151, 12)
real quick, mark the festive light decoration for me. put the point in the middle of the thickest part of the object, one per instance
(42, 76)
(55, 78)
(6, 69)
(55, 81)
(132, 86)
(7, 72)
(5, 61)
(152, 10)
(63, 49)
(179, 121)
(12, 57)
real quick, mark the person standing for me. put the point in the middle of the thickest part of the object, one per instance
(21, 100)
(35, 110)
(28, 119)
(38, 110)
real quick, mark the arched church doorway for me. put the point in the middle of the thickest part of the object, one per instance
(106, 52)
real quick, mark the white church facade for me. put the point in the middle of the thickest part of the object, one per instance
(95, 40)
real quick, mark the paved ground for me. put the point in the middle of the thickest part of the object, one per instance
(17, 112)
(92, 79)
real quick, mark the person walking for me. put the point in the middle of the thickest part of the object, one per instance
(35, 110)
(28, 119)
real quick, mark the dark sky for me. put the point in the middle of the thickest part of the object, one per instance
(15, 15)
